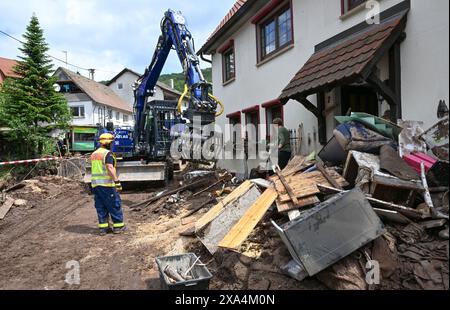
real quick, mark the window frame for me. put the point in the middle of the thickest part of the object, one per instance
(117, 116)
(120, 86)
(260, 32)
(225, 53)
(269, 106)
(79, 108)
(235, 120)
(249, 111)
(125, 118)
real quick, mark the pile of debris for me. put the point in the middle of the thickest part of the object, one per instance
(376, 196)
(29, 193)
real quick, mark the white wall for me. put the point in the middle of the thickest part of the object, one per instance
(89, 119)
(424, 62)
(126, 93)
(99, 118)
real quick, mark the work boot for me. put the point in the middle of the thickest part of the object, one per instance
(119, 230)
(103, 231)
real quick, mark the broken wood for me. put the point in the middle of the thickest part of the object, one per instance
(193, 185)
(426, 194)
(171, 273)
(4, 209)
(284, 207)
(409, 212)
(329, 178)
(217, 209)
(209, 187)
(195, 210)
(240, 232)
(433, 224)
(15, 187)
(288, 188)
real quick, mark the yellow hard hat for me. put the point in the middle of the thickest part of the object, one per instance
(106, 139)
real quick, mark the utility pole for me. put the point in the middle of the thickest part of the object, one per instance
(91, 74)
(65, 52)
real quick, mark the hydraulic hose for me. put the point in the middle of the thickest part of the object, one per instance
(222, 108)
(180, 101)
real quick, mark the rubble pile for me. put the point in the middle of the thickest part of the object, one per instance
(365, 203)
(29, 193)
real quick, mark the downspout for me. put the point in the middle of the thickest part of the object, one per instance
(202, 57)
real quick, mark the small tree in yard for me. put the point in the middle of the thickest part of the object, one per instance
(32, 108)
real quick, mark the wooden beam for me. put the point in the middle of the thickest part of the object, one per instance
(321, 118)
(396, 35)
(288, 188)
(388, 94)
(395, 77)
(308, 105)
(4, 209)
(329, 178)
(240, 232)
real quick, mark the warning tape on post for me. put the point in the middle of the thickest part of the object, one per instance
(28, 161)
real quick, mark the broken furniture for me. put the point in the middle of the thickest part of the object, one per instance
(325, 234)
(437, 139)
(363, 170)
(180, 267)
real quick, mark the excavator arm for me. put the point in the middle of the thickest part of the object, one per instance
(201, 104)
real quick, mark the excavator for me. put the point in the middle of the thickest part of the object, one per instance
(144, 151)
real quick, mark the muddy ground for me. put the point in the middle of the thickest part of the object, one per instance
(58, 225)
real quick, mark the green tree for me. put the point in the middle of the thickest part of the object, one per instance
(32, 108)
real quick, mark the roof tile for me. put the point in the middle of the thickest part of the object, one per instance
(342, 61)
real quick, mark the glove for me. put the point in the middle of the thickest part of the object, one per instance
(118, 186)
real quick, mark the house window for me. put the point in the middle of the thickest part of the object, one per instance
(252, 121)
(229, 66)
(348, 5)
(78, 112)
(276, 32)
(125, 118)
(274, 109)
(110, 114)
(117, 116)
(120, 86)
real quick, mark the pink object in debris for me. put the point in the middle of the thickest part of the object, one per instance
(415, 159)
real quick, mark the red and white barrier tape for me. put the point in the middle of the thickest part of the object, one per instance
(19, 162)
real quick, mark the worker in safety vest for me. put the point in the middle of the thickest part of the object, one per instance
(106, 187)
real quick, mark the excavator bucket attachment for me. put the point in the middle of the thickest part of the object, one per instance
(136, 171)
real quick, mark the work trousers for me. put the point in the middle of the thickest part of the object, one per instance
(108, 203)
(283, 158)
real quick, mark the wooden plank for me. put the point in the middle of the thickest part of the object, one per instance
(288, 188)
(284, 207)
(327, 176)
(217, 209)
(240, 232)
(4, 209)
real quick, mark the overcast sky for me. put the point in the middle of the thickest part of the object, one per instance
(106, 34)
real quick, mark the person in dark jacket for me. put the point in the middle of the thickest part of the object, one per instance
(284, 144)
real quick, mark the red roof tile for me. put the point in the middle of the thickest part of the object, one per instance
(230, 14)
(346, 60)
(6, 67)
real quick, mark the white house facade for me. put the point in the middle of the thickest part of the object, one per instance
(308, 61)
(123, 85)
(93, 105)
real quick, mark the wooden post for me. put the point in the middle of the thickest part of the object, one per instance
(321, 118)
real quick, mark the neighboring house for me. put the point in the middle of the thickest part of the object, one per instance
(123, 85)
(308, 61)
(6, 69)
(93, 105)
